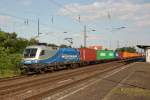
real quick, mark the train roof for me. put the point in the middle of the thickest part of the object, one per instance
(42, 47)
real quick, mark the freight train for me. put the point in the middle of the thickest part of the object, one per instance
(40, 58)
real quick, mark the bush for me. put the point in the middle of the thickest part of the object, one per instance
(11, 49)
(5, 61)
(9, 63)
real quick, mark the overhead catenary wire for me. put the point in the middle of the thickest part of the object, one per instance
(78, 18)
(27, 21)
(78, 15)
(60, 5)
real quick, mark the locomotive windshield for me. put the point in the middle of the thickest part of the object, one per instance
(30, 53)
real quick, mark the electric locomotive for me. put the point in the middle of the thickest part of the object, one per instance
(42, 58)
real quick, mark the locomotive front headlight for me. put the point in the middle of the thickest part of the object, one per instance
(35, 61)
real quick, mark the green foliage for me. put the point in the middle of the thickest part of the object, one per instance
(11, 49)
(129, 49)
(52, 45)
(15, 59)
(15, 45)
(5, 61)
(82, 46)
(32, 41)
(64, 46)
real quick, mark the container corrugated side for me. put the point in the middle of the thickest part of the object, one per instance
(87, 54)
(105, 54)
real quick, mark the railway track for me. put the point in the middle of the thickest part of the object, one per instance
(44, 94)
(12, 78)
(24, 76)
(35, 87)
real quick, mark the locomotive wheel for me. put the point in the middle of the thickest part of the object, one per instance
(41, 71)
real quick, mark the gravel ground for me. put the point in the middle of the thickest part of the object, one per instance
(24, 88)
(130, 82)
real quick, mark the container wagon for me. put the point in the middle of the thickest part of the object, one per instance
(105, 55)
(87, 56)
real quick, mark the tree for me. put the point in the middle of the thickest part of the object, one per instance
(128, 49)
(64, 46)
(81, 46)
(52, 45)
(2, 38)
(11, 49)
(33, 41)
(5, 60)
(14, 44)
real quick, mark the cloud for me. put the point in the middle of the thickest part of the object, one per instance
(25, 2)
(5, 19)
(90, 12)
(123, 10)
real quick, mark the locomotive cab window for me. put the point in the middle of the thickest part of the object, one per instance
(30, 53)
(42, 53)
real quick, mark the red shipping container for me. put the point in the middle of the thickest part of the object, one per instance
(87, 54)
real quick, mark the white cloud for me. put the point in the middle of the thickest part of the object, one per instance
(90, 12)
(123, 10)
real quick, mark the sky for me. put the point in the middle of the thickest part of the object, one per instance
(117, 23)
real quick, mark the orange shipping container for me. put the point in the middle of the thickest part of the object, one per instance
(128, 54)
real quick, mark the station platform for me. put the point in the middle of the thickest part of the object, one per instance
(135, 86)
(129, 83)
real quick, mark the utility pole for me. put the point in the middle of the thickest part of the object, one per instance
(85, 36)
(118, 44)
(109, 44)
(38, 27)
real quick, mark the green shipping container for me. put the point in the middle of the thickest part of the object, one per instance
(105, 54)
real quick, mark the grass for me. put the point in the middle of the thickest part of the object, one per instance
(9, 73)
(132, 91)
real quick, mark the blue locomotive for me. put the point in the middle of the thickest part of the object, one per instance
(42, 58)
